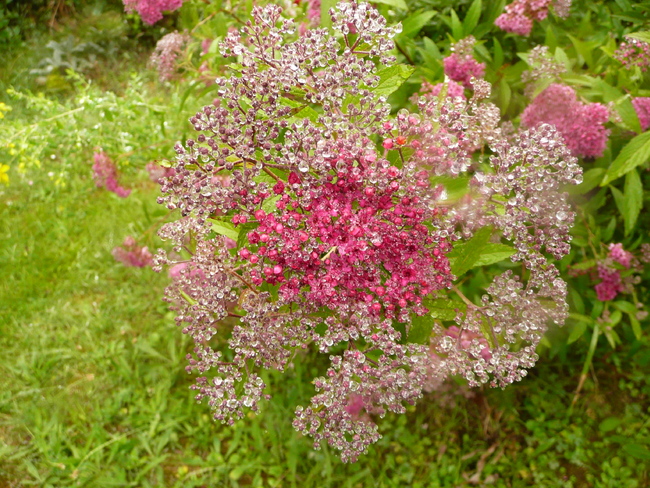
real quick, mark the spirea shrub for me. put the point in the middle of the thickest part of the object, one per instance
(312, 218)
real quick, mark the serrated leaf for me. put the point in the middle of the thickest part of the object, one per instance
(463, 256)
(473, 15)
(243, 230)
(494, 253)
(628, 114)
(635, 153)
(391, 78)
(444, 308)
(414, 23)
(224, 229)
(401, 4)
(641, 36)
(269, 204)
(420, 329)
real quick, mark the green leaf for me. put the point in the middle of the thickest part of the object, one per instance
(494, 253)
(636, 450)
(456, 26)
(444, 308)
(414, 23)
(634, 200)
(391, 78)
(400, 4)
(498, 54)
(420, 329)
(641, 36)
(636, 327)
(628, 114)
(269, 204)
(577, 332)
(430, 53)
(463, 257)
(224, 229)
(325, 6)
(505, 94)
(471, 19)
(243, 230)
(635, 153)
(590, 180)
(609, 424)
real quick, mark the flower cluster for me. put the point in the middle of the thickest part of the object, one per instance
(151, 11)
(542, 67)
(105, 174)
(309, 219)
(582, 125)
(642, 108)
(167, 51)
(461, 66)
(520, 14)
(634, 52)
(131, 254)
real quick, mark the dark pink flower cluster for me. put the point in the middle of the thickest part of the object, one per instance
(642, 108)
(634, 52)
(461, 66)
(581, 124)
(105, 174)
(620, 255)
(308, 219)
(611, 283)
(151, 11)
(131, 254)
(520, 14)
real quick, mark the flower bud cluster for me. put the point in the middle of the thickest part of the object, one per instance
(131, 254)
(461, 66)
(520, 14)
(634, 52)
(151, 11)
(297, 232)
(582, 125)
(168, 48)
(105, 175)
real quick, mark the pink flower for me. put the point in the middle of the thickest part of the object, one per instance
(581, 125)
(634, 53)
(453, 89)
(610, 285)
(151, 11)
(130, 254)
(642, 107)
(156, 171)
(105, 175)
(520, 14)
(460, 65)
(168, 48)
(618, 254)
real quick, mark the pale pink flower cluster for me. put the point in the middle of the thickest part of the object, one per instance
(581, 124)
(642, 108)
(520, 14)
(151, 11)
(131, 254)
(634, 52)
(157, 171)
(168, 48)
(105, 174)
(453, 89)
(461, 66)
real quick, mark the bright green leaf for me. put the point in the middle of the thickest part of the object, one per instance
(494, 253)
(465, 255)
(420, 329)
(414, 23)
(456, 26)
(471, 19)
(634, 154)
(391, 78)
(577, 332)
(400, 4)
(637, 450)
(628, 114)
(224, 229)
(641, 36)
(633, 192)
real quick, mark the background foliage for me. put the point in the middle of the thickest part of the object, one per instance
(92, 386)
